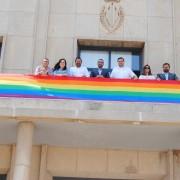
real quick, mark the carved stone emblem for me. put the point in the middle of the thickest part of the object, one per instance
(111, 15)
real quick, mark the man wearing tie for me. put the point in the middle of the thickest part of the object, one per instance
(99, 71)
(166, 75)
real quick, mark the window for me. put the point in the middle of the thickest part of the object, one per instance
(90, 57)
(2, 177)
(1, 53)
(0, 48)
(90, 54)
(1, 41)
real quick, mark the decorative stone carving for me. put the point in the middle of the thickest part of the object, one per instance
(112, 16)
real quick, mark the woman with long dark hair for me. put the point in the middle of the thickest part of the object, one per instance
(147, 74)
(60, 68)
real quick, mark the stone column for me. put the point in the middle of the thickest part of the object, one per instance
(44, 174)
(170, 170)
(23, 151)
(43, 163)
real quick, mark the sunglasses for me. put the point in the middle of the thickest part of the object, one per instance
(147, 68)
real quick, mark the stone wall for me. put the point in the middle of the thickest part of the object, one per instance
(177, 33)
(35, 29)
(95, 163)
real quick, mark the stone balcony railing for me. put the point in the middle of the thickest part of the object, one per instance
(90, 100)
(136, 114)
(91, 113)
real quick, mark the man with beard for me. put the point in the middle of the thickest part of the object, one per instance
(99, 71)
(166, 75)
(78, 70)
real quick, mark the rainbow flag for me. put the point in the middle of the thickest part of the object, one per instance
(97, 89)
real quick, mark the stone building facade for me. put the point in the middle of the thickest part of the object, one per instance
(34, 29)
(51, 28)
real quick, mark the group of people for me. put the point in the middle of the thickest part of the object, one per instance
(118, 72)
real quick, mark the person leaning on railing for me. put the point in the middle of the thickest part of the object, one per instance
(147, 74)
(100, 72)
(78, 70)
(121, 71)
(166, 74)
(44, 68)
(60, 68)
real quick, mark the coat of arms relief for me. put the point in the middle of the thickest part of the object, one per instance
(112, 16)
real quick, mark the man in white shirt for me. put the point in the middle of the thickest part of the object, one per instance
(78, 70)
(122, 72)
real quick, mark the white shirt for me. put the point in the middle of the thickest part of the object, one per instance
(147, 77)
(122, 73)
(166, 75)
(79, 71)
(99, 71)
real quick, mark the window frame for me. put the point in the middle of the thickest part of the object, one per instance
(134, 51)
(3, 39)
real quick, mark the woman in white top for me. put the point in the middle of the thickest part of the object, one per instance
(146, 74)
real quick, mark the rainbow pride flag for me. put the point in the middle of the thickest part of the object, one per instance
(98, 89)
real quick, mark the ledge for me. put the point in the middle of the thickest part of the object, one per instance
(89, 111)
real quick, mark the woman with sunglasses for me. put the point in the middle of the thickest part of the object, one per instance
(146, 74)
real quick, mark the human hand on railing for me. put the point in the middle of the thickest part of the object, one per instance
(134, 77)
(43, 71)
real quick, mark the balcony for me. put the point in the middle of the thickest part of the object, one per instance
(94, 114)
(88, 116)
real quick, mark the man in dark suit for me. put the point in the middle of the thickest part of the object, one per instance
(166, 75)
(100, 72)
